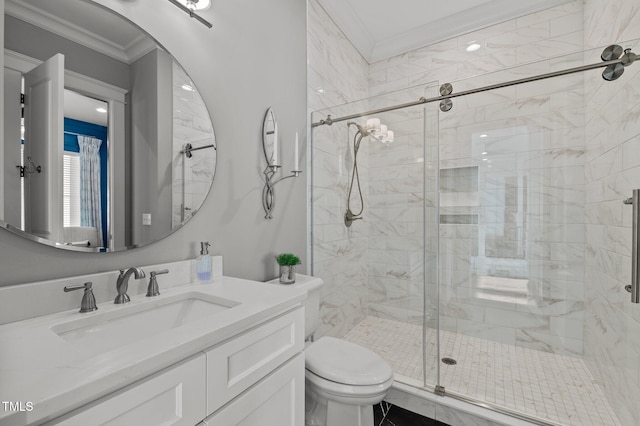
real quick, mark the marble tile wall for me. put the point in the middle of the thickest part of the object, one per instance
(337, 74)
(566, 294)
(390, 242)
(530, 38)
(503, 278)
(514, 273)
(191, 177)
(401, 176)
(612, 323)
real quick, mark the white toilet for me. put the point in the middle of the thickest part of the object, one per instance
(343, 380)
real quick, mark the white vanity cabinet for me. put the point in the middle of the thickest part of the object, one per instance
(251, 378)
(278, 400)
(174, 396)
(234, 366)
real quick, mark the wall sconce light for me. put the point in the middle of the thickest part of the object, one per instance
(191, 6)
(270, 147)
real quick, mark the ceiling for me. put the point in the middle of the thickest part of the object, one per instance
(380, 29)
(84, 108)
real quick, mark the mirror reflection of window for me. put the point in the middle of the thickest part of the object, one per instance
(71, 189)
(110, 59)
(85, 170)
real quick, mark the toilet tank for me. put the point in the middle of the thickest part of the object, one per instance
(313, 285)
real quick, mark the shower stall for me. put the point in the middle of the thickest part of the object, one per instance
(494, 252)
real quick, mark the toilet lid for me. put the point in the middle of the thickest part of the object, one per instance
(345, 362)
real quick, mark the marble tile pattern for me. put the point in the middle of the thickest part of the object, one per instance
(612, 172)
(545, 34)
(551, 387)
(544, 262)
(513, 275)
(536, 154)
(337, 74)
(191, 177)
(504, 275)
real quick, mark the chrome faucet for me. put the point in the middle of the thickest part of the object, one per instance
(88, 303)
(122, 285)
(152, 289)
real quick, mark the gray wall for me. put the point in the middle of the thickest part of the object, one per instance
(253, 58)
(151, 146)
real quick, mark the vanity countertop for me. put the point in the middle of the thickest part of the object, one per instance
(40, 369)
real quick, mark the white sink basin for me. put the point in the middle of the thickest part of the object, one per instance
(131, 323)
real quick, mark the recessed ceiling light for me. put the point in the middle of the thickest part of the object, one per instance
(483, 136)
(102, 110)
(188, 88)
(485, 153)
(473, 47)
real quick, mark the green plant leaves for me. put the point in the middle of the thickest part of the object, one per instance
(287, 259)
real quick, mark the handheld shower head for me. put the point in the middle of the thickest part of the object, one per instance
(361, 129)
(377, 131)
(373, 128)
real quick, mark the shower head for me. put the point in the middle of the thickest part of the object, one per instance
(374, 129)
(361, 129)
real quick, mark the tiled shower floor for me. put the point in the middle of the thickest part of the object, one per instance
(555, 388)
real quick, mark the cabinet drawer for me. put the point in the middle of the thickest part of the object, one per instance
(234, 366)
(276, 400)
(175, 396)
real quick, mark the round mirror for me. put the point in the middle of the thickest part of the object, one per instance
(110, 146)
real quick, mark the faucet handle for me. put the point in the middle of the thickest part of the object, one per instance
(88, 303)
(163, 271)
(85, 286)
(153, 289)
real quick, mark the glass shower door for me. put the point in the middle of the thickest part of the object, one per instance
(520, 257)
(379, 293)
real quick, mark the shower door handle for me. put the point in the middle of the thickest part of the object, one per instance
(634, 287)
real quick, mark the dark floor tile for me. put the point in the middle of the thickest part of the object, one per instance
(386, 414)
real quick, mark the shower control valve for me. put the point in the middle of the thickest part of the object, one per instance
(349, 218)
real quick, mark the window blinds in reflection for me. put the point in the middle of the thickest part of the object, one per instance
(71, 189)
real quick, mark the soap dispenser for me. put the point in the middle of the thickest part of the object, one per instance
(203, 264)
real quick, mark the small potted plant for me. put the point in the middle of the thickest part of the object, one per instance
(287, 262)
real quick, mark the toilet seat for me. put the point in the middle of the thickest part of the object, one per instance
(348, 394)
(346, 363)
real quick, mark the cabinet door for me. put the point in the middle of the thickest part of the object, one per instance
(236, 365)
(175, 396)
(278, 400)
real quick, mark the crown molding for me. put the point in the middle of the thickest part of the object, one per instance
(348, 21)
(139, 47)
(487, 14)
(56, 25)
